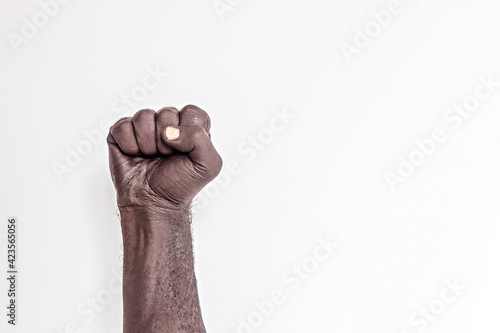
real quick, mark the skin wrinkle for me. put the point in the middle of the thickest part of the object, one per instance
(154, 195)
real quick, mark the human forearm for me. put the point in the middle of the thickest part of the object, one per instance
(159, 284)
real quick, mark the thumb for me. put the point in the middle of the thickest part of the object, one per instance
(196, 143)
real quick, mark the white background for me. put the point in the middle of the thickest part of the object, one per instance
(322, 175)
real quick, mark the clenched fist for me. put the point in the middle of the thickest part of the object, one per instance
(163, 157)
(159, 161)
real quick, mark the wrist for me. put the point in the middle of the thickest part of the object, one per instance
(149, 201)
(149, 229)
(153, 213)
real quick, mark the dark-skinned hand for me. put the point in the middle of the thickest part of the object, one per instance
(162, 158)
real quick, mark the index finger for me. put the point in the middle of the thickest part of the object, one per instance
(191, 115)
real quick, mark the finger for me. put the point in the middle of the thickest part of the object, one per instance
(145, 131)
(118, 161)
(123, 134)
(194, 141)
(165, 117)
(191, 115)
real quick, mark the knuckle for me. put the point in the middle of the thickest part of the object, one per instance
(167, 116)
(119, 125)
(168, 109)
(191, 107)
(195, 115)
(144, 123)
(143, 114)
(123, 119)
